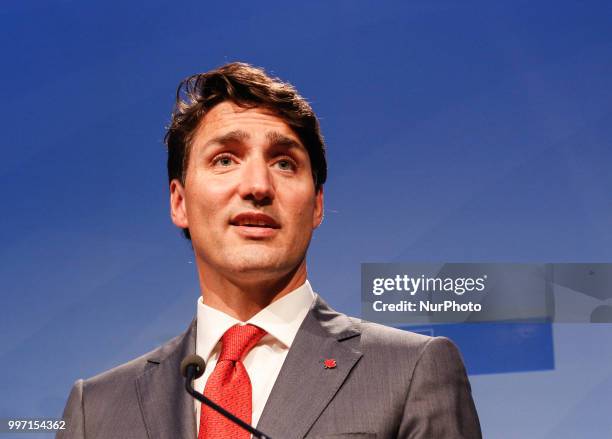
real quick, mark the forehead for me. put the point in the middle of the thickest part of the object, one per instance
(227, 117)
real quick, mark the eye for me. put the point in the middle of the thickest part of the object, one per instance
(223, 160)
(286, 164)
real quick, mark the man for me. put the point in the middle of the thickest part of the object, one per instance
(246, 164)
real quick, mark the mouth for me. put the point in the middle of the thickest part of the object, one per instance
(255, 223)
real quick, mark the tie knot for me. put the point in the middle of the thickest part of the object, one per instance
(238, 341)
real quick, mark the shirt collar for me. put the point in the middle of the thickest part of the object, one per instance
(281, 319)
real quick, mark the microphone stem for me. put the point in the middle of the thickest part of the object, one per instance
(204, 400)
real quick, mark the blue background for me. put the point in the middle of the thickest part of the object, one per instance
(467, 131)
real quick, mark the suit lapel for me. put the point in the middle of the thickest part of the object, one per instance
(304, 387)
(167, 409)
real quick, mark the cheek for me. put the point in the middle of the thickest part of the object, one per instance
(202, 208)
(208, 193)
(301, 210)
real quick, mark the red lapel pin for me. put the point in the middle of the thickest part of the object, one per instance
(329, 363)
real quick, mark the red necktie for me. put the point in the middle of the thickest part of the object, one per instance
(229, 385)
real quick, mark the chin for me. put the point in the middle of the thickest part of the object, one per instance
(259, 266)
(263, 264)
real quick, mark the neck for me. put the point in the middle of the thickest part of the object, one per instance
(242, 298)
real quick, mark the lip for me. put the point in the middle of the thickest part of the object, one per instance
(255, 225)
(254, 220)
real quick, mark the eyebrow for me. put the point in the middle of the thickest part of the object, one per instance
(278, 139)
(238, 136)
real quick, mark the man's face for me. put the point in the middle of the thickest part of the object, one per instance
(249, 199)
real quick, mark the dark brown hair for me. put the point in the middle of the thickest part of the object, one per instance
(248, 87)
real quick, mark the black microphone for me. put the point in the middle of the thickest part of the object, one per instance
(192, 367)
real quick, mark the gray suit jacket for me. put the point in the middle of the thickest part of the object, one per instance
(387, 383)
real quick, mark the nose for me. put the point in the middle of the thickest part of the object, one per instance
(256, 182)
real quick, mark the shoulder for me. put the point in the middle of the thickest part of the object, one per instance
(378, 334)
(110, 402)
(384, 343)
(136, 367)
(385, 340)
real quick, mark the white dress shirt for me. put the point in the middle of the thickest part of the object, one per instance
(281, 320)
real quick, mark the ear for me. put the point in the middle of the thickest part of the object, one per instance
(178, 211)
(317, 216)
